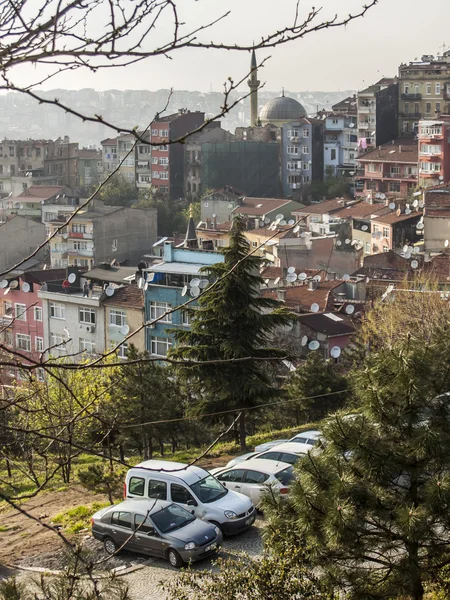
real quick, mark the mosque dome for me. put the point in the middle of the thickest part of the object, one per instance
(281, 110)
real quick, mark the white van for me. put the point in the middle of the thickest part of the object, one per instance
(192, 488)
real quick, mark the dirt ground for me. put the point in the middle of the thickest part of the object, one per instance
(27, 543)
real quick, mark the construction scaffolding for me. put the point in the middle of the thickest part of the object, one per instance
(251, 167)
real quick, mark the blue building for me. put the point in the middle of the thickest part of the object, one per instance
(169, 284)
(340, 145)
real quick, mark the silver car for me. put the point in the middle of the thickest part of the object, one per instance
(158, 528)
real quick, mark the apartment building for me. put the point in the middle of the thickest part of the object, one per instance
(434, 151)
(394, 229)
(390, 171)
(424, 92)
(61, 162)
(340, 148)
(116, 151)
(90, 166)
(124, 315)
(102, 233)
(377, 114)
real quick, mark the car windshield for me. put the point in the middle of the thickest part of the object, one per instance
(172, 517)
(209, 489)
(285, 476)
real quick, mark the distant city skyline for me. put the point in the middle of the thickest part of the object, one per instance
(354, 57)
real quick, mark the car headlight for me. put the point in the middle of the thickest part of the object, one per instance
(190, 546)
(217, 530)
(230, 514)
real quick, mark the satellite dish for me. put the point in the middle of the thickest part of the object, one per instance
(291, 270)
(277, 280)
(421, 203)
(279, 216)
(414, 264)
(382, 196)
(405, 248)
(65, 235)
(109, 291)
(203, 284)
(282, 222)
(351, 125)
(194, 282)
(349, 309)
(125, 330)
(347, 241)
(314, 345)
(317, 278)
(392, 205)
(3, 283)
(364, 228)
(26, 287)
(195, 291)
(315, 307)
(445, 244)
(296, 229)
(407, 255)
(416, 250)
(304, 340)
(291, 277)
(302, 276)
(184, 290)
(410, 249)
(339, 243)
(346, 277)
(335, 352)
(417, 193)
(141, 283)
(407, 211)
(214, 215)
(420, 225)
(441, 178)
(415, 203)
(291, 222)
(303, 234)
(378, 195)
(72, 278)
(266, 221)
(14, 284)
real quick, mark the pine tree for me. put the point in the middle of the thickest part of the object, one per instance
(232, 321)
(373, 501)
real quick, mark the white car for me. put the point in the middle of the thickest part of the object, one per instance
(307, 438)
(238, 459)
(287, 453)
(269, 445)
(255, 476)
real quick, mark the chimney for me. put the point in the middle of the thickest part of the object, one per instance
(400, 149)
(312, 285)
(281, 294)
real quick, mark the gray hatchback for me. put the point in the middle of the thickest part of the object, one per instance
(158, 528)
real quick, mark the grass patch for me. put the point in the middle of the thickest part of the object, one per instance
(75, 519)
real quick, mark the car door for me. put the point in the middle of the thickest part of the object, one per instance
(232, 479)
(146, 539)
(182, 496)
(253, 485)
(121, 530)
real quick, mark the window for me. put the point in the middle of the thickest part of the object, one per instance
(23, 342)
(122, 351)
(40, 374)
(87, 346)
(117, 317)
(406, 88)
(371, 168)
(78, 228)
(122, 519)
(38, 152)
(160, 346)
(306, 166)
(155, 174)
(367, 248)
(333, 154)
(416, 108)
(11, 150)
(256, 477)
(305, 149)
(136, 486)
(87, 316)
(385, 248)
(155, 132)
(164, 175)
(395, 170)
(185, 318)
(57, 311)
(143, 524)
(428, 88)
(293, 132)
(164, 148)
(306, 133)
(233, 475)
(157, 489)
(438, 107)
(12, 169)
(154, 160)
(20, 312)
(79, 245)
(144, 149)
(157, 309)
(180, 494)
(406, 107)
(163, 160)
(39, 344)
(437, 89)
(386, 232)
(428, 108)
(292, 149)
(371, 186)
(8, 337)
(163, 133)
(57, 344)
(394, 186)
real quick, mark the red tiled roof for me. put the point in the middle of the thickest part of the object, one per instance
(43, 276)
(301, 298)
(128, 296)
(437, 212)
(398, 151)
(321, 208)
(392, 217)
(43, 191)
(250, 206)
(360, 210)
(272, 272)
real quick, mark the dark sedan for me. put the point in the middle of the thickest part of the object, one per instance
(157, 528)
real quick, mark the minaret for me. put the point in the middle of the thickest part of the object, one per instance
(253, 84)
(190, 240)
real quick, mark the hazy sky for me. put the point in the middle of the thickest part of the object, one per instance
(392, 32)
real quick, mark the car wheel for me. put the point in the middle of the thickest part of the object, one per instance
(110, 545)
(174, 558)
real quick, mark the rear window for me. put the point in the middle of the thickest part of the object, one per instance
(157, 489)
(270, 456)
(136, 486)
(291, 459)
(256, 477)
(300, 440)
(285, 476)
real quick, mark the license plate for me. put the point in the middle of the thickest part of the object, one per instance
(249, 521)
(212, 547)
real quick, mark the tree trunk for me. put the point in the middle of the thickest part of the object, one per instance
(242, 432)
(121, 453)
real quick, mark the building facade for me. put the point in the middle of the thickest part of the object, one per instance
(377, 114)
(90, 166)
(340, 144)
(61, 162)
(434, 151)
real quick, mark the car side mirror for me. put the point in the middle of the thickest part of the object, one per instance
(192, 502)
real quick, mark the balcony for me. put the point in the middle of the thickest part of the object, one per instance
(411, 96)
(6, 320)
(89, 253)
(412, 116)
(81, 236)
(366, 109)
(366, 126)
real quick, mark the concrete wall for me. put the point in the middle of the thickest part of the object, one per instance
(320, 255)
(18, 238)
(135, 231)
(134, 322)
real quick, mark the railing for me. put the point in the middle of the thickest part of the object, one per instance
(366, 109)
(411, 96)
(6, 320)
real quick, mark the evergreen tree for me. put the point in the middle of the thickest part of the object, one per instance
(232, 321)
(373, 499)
